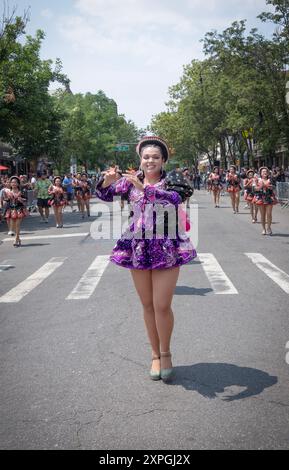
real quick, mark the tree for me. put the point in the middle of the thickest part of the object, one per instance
(237, 94)
(91, 128)
(28, 119)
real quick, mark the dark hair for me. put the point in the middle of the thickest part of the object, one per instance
(140, 175)
(15, 178)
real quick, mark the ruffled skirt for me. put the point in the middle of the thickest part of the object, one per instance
(152, 254)
(11, 213)
(265, 200)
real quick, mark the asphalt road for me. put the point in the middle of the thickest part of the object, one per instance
(75, 357)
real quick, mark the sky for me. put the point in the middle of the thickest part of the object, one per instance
(133, 50)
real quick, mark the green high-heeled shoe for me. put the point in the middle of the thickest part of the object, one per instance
(153, 374)
(166, 374)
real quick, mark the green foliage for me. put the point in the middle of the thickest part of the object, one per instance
(59, 125)
(239, 86)
(91, 128)
(28, 119)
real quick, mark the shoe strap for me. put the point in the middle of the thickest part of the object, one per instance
(155, 358)
(166, 354)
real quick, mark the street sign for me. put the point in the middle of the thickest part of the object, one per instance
(121, 148)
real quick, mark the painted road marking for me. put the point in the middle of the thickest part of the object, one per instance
(87, 284)
(25, 287)
(43, 237)
(277, 275)
(219, 281)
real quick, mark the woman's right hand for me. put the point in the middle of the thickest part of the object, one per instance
(110, 176)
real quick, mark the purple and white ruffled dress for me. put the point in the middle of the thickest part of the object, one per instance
(134, 252)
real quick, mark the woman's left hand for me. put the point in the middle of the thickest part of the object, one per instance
(134, 180)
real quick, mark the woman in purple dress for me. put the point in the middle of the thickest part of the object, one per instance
(154, 259)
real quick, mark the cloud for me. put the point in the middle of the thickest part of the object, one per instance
(131, 15)
(47, 13)
(135, 49)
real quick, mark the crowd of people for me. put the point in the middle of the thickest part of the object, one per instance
(19, 195)
(257, 187)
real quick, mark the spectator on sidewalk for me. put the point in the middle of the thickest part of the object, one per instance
(33, 181)
(68, 187)
(41, 189)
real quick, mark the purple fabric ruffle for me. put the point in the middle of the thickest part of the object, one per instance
(146, 254)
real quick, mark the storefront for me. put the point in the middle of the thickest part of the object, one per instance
(6, 159)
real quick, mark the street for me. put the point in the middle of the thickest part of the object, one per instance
(75, 357)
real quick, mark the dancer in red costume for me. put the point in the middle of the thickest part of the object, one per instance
(58, 200)
(216, 185)
(265, 199)
(249, 187)
(83, 194)
(233, 187)
(15, 209)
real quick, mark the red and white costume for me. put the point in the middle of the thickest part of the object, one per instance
(15, 204)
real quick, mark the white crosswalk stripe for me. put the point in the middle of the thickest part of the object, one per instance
(219, 281)
(87, 284)
(48, 237)
(22, 289)
(273, 272)
(85, 287)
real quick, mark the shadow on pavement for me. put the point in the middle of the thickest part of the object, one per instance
(26, 245)
(211, 379)
(184, 290)
(285, 235)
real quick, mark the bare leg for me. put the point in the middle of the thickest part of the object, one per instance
(263, 218)
(82, 207)
(237, 200)
(59, 215)
(233, 201)
(143, 284)
(218, 197)
(12, 225)
(252, 211)
(55, 214)
(41, 212)
(17, 229)
(269, 209)
(47, 212)
(164, 283)
(9, 225)
(87, 207)
(255, 211)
